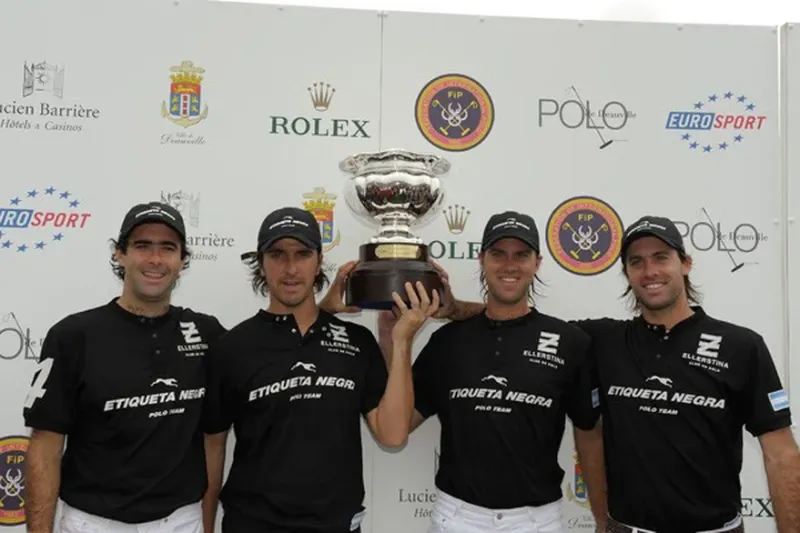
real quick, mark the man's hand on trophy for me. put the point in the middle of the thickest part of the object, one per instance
(412, 318)
(448, 306)
(333, 302)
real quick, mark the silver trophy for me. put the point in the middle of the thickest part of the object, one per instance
(395, 190)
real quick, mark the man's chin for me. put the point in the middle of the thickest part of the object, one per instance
(293, 300)
(657, 304)
(509, 299)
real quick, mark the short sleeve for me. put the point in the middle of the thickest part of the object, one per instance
(582, 398)
(220, 399)
(51, 403)
(377, 376)
(766, 402)
(425, 375)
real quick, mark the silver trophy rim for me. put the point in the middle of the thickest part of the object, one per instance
(389, 159)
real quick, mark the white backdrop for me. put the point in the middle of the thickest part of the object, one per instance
(266, 136)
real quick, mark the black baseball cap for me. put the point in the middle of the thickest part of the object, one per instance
(653, 226)
(510, 224)
(290, 222)
(152, 212)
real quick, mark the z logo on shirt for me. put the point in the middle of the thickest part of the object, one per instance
(194, 347)
(709, 345)
(548, 342)
(191, 335)
(339, 333)
(339, 341)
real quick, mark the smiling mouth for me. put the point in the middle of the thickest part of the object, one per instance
(653, 286)
(154, 275)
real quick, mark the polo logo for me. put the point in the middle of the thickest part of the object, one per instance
(338, 333)
(709, 345)
(169, 382)
(667, 382)
(191, 335)
(548, 342)
(496, 379)
(311, 367)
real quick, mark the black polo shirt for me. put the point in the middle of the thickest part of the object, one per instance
(127, 391)
(673, 406)
(295, 403)
(502, 390)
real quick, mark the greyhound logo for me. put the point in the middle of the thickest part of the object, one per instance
(169, 382)
(667, 382)
(311, 367)
(499, 380)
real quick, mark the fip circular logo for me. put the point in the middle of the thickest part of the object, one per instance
(454, 112)
(584, 235)
(12, 480)
(39, 219)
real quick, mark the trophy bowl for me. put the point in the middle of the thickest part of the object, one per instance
(395, 190)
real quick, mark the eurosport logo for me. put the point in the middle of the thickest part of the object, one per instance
(39, 219)
(717, 122)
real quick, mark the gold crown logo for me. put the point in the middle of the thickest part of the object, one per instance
(321, 95)
(186, 72)
(318, 199)
(456, 217)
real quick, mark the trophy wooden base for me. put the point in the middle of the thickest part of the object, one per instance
(385, 268)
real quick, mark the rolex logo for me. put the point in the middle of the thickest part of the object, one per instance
(456, 217)
(321, 95)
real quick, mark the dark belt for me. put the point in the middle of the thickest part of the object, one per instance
(615, 527)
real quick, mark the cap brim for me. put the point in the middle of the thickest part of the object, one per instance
(300, 238)
(649, 233)
(490, 242)
(153, 220)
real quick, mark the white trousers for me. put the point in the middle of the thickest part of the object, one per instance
(451, 515)
(187, 519)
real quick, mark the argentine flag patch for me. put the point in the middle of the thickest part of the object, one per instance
(779, 400)
(595, 397)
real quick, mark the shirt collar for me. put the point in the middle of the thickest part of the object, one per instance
(685, 324)
(288, 321)
(147, 321)
(527, 318)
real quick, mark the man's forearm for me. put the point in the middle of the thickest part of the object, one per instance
(397, 405)
(589, 445)
(465, 310)
(386, 345)
(43, 480)
(783, 477)
(215, 464)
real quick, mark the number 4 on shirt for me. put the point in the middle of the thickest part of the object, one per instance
(37, 388)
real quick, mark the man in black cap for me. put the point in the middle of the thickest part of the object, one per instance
(294, 381)
(502, 384)
(125, 383)
(677, 387)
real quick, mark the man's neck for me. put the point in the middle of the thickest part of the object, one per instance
(501, 311)
(139, 307)
(670, 316)
(305, 314)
